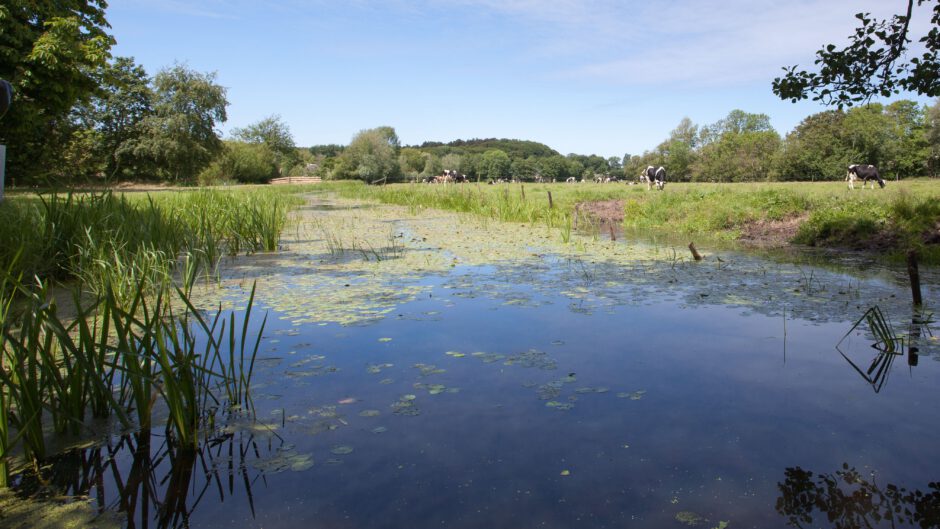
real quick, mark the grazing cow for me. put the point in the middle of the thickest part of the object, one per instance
(571, 180)
(865, 173)
(654, 175)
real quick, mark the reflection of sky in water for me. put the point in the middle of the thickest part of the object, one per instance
(660, 385)
(723, 414)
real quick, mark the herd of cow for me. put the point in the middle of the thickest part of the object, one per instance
(656, 176)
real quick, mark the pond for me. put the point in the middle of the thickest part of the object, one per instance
(432, 369)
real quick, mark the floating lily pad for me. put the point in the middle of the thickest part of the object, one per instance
(341, 450)
(689, 518)
(379, 429)
(369, 413)
(385, 339)
(636, 395)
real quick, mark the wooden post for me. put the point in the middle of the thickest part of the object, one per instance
(612, 236)
(914, 274)
(695, 253)
(522, 188)
(550, 204)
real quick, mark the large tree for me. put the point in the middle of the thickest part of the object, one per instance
(873, 63)
(50, 52)
(372, 155)
(274, 134)
(739, 148)
(180, 137)
(113, 117)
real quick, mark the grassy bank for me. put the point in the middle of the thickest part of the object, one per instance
(905, 215)
(118, 241)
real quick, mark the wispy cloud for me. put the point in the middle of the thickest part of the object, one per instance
(711, 42)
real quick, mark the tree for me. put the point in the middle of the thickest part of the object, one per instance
(554, 168)
(180, 137)
(866, 135)
(276, 136)
(933, 137)
(113, 117)
(871, 65)
(739, 148)
(908, 149)
(371, 155)
(50, 53)
(411, 162)
(815, 150)
(451, 161)
(523, 169)
(247, 163)
(495, 164)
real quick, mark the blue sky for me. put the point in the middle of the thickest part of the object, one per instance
(591, 77)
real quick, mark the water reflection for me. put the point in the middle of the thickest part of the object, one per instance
(880, 355)
(846, 500)
(148, 479)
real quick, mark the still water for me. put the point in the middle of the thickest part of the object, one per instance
(434, 371)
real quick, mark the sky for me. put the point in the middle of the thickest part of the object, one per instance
(606, 77)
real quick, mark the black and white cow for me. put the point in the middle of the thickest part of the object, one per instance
(865, 173)
(654, 175)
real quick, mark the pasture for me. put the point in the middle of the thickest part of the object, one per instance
(469, 356)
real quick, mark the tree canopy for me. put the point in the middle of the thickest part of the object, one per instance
(51, 53)
(873, 63)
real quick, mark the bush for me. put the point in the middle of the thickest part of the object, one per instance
(242, 162)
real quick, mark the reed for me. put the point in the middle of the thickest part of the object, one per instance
(115, 356)
(115, 241)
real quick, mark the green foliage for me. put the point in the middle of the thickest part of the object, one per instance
(246, 163)
(892, 220)
(372, 155)
(275, 135)
(116, 242)
(514, 148)
(50, 52)
(739, 148)
(848, 223)
(870, 65)
(114, 114)
(495, 164)
(115, 358)
(180, 138)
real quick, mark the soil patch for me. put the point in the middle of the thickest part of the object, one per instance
(606, 211)
(771, 233)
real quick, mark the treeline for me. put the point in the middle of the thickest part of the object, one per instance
(376, 154)
(79, 115)
(901, 138)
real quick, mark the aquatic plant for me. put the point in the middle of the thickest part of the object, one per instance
(114, 357)
(114, 241)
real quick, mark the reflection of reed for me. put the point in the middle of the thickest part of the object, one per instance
(157, 487)
(888, 346)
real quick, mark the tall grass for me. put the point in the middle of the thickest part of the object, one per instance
(119, 241)
(116, 358)
(904, 215)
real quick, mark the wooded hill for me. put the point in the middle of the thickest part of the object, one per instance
(514, 148)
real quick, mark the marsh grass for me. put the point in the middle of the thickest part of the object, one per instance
(900, 217)
(116, 241)
(117, 358)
